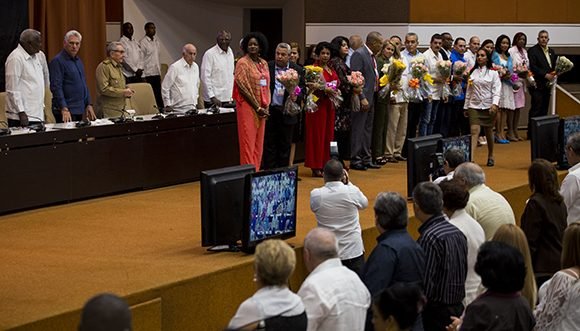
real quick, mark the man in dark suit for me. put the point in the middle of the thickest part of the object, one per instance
(279, 126)
(542, 64)
(363, 60)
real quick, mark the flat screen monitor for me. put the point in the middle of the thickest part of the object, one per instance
(222, 206)
(270, 206)
(568, 126)
(421, 151)
(463, 143)
(544, 137)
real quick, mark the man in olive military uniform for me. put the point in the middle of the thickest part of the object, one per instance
(111, 88)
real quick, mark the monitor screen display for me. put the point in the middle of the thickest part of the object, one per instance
(544, 137)
(462, 143)
(568, 127)
(270, 207)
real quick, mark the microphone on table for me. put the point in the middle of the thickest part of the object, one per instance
(38, 127)
(122, 118)
(214, 109)
(192, 111)
(159, 115)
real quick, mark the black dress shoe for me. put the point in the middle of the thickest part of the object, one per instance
(373, 166)
(358, 167)
(490, 162)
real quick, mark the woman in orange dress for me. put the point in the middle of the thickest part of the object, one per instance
(252, 96)
(320, 124)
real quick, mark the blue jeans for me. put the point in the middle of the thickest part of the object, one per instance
(428, 117)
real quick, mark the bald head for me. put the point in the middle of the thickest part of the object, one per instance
(105, 312)
(31, 41)
(375, 41)
(471, 173)
(189, 53)
(319, 245)
(355, 41)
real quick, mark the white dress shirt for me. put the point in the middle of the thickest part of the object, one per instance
(469, 59)
(570, 190)
(449, 176)
(180, 87)
(150, 51)
(489, 208)
(475, 238)
(335, 298)
(483, 89)
(336, 207)
(26, 79)
(267, 302)
(436, 89)
(217, 74)
(133, 56)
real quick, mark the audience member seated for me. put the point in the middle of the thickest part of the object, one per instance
(336, 207)
(334, 297)
(489, 208)
(105, 312)
(446, 258)
(455, 197)
(571, 184)
(453, 158)
(514, 236)
(544, 219)
(501, 307)
(397, 258)
(397, 307)
(273, 305)
(558, 308)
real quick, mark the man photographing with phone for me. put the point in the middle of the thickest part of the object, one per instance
(336, 207)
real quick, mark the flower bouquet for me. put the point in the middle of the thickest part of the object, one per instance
(563, 65)
(391, 78)
(420, 78)
(444, 70)
(524, 72)
(314, 81)
(335, 96)
(459, 70)
(357, 81)
(289, 78)
(501, 71)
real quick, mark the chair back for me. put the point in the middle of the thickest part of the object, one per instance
(143, 101)
(3, 122)
(48, 114)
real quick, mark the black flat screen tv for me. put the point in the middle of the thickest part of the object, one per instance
(544, 137)
(419, 162)
(270, 206)
(222, 206)
(568, 126)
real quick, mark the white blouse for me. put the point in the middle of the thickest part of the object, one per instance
(558, 309)
(519, 57)
(483, 89)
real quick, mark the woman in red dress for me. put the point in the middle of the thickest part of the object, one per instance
(252, 95)
(320, 124)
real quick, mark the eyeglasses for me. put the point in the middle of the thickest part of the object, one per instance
(119, 51)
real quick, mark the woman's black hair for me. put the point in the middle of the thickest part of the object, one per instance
(498, 45)
(325, 44)
(488, 64)
(337, 43)
(402, 301)
(501, 267)
(262, 42)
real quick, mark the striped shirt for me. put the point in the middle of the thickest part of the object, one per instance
(445, 249)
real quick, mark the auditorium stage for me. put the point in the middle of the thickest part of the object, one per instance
(146, 247)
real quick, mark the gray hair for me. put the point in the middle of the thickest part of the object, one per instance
(471, 173)
(321, 243)
(428, 197)
(112, 46)
(412, 34)
(574, 143)
(391, 211)
(285, 46)
(29, 35)
(73, 33)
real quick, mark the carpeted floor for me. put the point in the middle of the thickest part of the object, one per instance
(54, 258)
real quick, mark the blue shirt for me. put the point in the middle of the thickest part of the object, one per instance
(68, 83)
(278, 93)
(456, 56)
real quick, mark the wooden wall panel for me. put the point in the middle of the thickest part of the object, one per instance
(491, 11)
(573, 11)
(534, 11)
(367, 11)
(429, 11)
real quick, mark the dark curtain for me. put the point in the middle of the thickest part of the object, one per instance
(13, 20)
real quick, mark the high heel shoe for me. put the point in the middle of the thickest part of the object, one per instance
(490, 162)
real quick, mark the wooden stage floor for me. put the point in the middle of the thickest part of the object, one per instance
(146, 246)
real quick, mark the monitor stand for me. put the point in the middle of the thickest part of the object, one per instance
(224, 248)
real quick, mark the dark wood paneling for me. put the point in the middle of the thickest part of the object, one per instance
(114, 10)
(367, 11)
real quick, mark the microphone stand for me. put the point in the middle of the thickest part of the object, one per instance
(122, 118)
